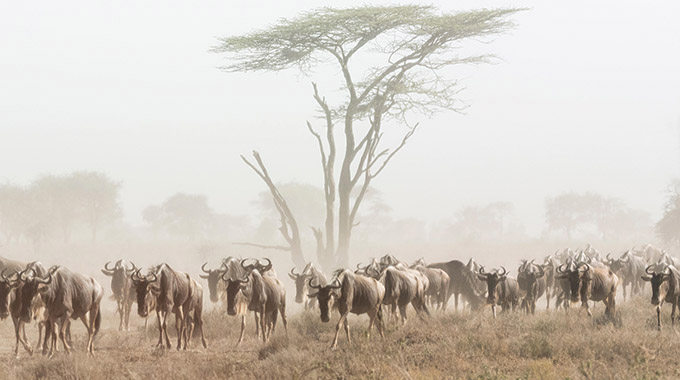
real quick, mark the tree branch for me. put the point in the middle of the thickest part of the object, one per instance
(279, 247)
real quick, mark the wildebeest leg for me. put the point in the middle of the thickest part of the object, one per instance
(18, 328)
(92, 316)
(161, 322)
(63, 323)
(624, 292)
(41, 326)
(243, 329)
(282, 311)
(673, 315)
(455, 302)
(263, 324)
(257, 325)
(658, 316)
(402, 313)
(127, 315)
(346, 324)
(48, 335)
(343, 316)
(380, 322)
(121, 313)
(179, 326)
(547, 298)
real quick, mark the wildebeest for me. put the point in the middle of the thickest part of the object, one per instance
(549, 265)
(194, 314)
(630, 270)
(10, 301)
(591, 284)
(353, 293)
(462, 282)
(531, 280)
(66, 295)
(265, 295)
(173, 294)
(122, 289)
(302, 280)
(403, 287)
(665, 287)
(501, 290)
(438, 290)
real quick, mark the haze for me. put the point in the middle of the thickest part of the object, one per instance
(583, 98)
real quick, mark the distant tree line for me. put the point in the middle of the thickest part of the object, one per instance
(56, 204)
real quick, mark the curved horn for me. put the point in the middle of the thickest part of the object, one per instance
(131, 269)
(560, 269)
(609, 256)
(338, 286)
(155, 278)
(48, 279)
(264, 268)
(248, 268)
(313, 286)
(504, 272)
(647, 269)
(106, 266)
(481, 270)
(3, 278)
(203, 268)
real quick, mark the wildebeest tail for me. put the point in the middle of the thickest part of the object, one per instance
(390, 285)
(98, 321)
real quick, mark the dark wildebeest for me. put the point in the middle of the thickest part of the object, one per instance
(264, 294)
(66, 295)
(630, 270)
(302, 281)
(590, 283)
(122, 289)
(665, 287)
(438, 290)
(501, 290)
(173, 294)
(531, 280)
(462, 281)
(353, 293)
(10, 301)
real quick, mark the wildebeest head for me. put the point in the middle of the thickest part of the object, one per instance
(238, 284)
(492, 280)
(119, 275)
(531, 274)
(660, 283)
(576, 275)
(143, 286)
(300, 280)
(7, 284)
(323, 295)
(33, 285)
(213, 276)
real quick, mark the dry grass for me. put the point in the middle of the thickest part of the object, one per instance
(551, 345)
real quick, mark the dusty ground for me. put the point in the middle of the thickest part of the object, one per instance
(549, 345)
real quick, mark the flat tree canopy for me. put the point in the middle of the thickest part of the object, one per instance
(404, 49)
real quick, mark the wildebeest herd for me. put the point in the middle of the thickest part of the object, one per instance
(382, 288)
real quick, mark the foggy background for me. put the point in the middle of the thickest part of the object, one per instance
(583, 98)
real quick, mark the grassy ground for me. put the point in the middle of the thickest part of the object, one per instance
(549, 345)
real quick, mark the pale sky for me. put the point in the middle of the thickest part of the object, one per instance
(586, 97)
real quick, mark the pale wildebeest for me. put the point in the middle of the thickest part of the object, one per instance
(665, 288)
(438, 289)
(404, 286)
(121, 287)
(591, 284)
(462, 282)
(264, 294)
(173, 295)
(353, 293)
(302, 280)
(549, 266)
(531, 280)
(194, 314)
(501, 290)
(630, 270)
(66, 295)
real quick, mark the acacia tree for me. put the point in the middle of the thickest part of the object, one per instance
(668, 227)
(409, 45)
